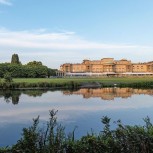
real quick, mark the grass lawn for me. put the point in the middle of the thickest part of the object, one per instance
(103, 80)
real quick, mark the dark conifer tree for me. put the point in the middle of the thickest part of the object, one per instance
(15, 59)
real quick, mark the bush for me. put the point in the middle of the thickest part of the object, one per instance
(8, 78)
(52, 139)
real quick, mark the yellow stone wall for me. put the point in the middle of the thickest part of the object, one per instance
(140, 68)
(97, 68)
(107, 65)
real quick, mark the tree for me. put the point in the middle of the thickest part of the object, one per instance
(8, 78)
(35, 63)
(15, 59)
(16, 70)
(3, 69)
(51, 72)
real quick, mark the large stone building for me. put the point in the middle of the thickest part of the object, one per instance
(107, 66)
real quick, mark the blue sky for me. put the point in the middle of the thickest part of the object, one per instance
(58, 31)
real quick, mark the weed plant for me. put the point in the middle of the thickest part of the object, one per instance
(52, 139)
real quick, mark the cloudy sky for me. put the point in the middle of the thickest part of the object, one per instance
(59, 31)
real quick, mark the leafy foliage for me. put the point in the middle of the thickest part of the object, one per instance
(48, 140)
(35, 63)
(33, 69)
(52, 139)
(8, 78)
(25, 71)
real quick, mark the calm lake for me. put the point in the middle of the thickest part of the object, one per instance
(83, 108)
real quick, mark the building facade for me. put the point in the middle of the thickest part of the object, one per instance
(107, 66)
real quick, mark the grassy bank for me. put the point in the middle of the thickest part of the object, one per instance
(77, 82)
(53, 139)
(80, 80)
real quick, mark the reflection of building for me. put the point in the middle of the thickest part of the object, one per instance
(109, 93)
(107, 66)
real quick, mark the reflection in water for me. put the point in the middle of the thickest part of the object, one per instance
(14, 95)
(103, 93)
(109, 93)
(74, 110)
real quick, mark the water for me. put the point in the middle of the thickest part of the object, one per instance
(83, 108)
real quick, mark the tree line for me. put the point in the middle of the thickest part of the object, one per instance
(13, 96)
(33, 69)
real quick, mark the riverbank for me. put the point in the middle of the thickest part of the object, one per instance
(75, 83)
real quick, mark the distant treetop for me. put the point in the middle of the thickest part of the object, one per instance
(35, 63)
(15, 59)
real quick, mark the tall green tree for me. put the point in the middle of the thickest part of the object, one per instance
(33, 69)
(15, 59)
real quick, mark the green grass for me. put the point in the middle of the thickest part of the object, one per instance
(75, 83)
(102, 80)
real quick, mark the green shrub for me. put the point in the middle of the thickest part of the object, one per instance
(52, 139)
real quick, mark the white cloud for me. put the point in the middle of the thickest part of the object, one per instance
(40, 39)
(5, 2)
(54, 48)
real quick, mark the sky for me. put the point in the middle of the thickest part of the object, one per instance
(68, 31)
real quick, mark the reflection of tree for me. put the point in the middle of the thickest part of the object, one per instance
(14, 95)
(10, 95)
(15, 99)
(34, 93)
(7, 100)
